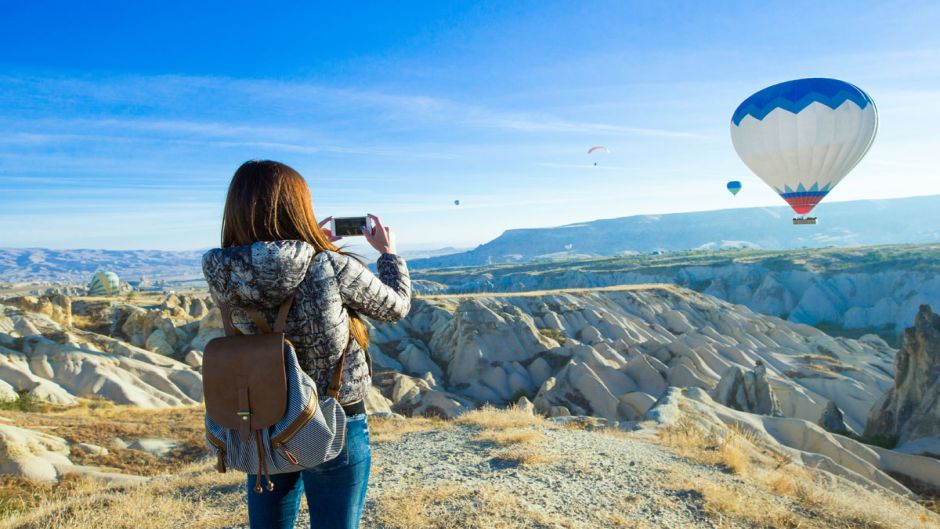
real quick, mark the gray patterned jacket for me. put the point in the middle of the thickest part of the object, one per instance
(324, 284)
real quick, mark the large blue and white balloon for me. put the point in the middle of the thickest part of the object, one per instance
(802, 137)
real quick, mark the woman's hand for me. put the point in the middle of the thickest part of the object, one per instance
(326, 231)
(379, 237)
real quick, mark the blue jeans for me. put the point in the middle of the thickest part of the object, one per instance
(335, 490)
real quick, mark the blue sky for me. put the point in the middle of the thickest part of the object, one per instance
(123, 121)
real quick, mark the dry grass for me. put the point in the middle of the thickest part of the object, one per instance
(792, 495)
(391, 429)
(196, 497)
(490, 418)
(510, 437)
(726, 503)
(524, 456)
(733, 449)
(455, 506)
(99, 422)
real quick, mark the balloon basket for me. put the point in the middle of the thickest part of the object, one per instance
(804, 220)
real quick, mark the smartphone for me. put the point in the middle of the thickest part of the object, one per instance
(348, 226)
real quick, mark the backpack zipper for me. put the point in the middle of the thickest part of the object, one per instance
(219, 451)
(294, 427)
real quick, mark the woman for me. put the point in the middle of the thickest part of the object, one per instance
(272, 247)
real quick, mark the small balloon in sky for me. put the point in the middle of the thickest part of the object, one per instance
(457, 202)
(734, 186)
(803, 137)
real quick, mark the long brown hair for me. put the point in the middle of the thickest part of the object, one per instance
(269, 201)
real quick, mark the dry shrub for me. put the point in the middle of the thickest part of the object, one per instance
(18, 494)
(795, 496)
(734, 453)
(98, 422)
(390, 429)
(196, 497)
(850, 506)
(527, 456)
(723, 502)
(732, 449)
(510, 437)
(455, 506)
(490, 418)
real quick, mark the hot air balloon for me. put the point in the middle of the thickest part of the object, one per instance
(803, 137)
(104, 284)
(456, 202)
(598, 148)
(734, 186)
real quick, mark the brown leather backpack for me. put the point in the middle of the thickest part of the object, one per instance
(263, 413)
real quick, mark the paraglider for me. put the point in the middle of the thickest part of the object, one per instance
(104, 284)
(457, 202)
(598, 148)
(803, 137)
(734, 186)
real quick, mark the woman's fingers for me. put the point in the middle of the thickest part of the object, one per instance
(377, 226)
(326, 221)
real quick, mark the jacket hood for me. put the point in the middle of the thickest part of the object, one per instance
(262, 274)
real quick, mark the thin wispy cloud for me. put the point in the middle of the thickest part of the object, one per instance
(401, 124)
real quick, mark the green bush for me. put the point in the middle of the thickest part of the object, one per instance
(24, 401)
(554, 335)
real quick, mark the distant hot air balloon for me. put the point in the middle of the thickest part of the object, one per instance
(456, 202)
(598, 148)
(104, 284)
(802, 137)
(734, 186)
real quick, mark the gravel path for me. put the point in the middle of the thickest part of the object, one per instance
(589, 478)
(592, 475)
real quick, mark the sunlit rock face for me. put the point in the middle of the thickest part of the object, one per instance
(748, 390)
(910, 410)
(58, 364)
(802, 441)
(613, 353)
(865, 289)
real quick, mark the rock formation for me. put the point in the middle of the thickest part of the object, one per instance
(613, 352)
(803, 441)
(910, 410)
(832, 420)
(748, 390)
(44, 458)
(57, 307)
(855, 288)
(58, 364)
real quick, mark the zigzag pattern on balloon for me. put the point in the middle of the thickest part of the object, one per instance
(803, 200)
(801, 189)
(795, 96)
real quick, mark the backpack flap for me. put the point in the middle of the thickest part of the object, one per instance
(245, 381)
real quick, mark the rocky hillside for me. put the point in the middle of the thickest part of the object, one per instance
(58, 349)
(855, 223)
(868, 289)
(612, 352)
(626, 358)
(909, 412)
(77, 266)
(680, 467)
